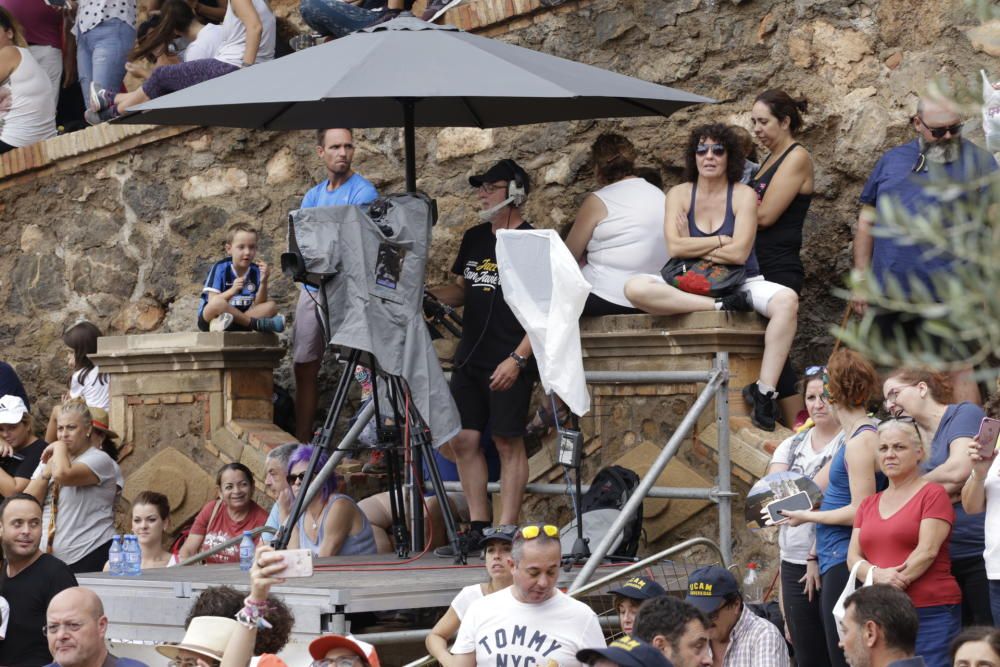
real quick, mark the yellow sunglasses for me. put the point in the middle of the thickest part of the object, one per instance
(535, 529)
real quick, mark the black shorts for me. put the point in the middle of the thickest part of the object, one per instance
(478, 405)
(597, 307)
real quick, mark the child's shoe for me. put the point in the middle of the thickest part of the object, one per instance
(100, 99)
(221, 323)
(275, 324)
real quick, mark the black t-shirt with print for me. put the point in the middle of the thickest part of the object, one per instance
(490, 332)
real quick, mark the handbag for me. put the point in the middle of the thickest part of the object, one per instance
(703, 276)
(839, 612)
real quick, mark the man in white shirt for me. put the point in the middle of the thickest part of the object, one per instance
(531, 623)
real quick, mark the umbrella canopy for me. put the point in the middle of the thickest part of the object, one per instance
(455, 79)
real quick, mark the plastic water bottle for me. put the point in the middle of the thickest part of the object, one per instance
(132, 556)
(246, 551)
(115, 562)
(751, 587)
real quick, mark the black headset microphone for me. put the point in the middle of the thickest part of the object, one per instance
(516, 193)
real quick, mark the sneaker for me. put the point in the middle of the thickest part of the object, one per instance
(433, 8)
(473, 539)
(97, 117)
(304, 41)
(274, 324)
(386, 15)
(221, 323)
(100, 99)
(737, 302)
(376, 463)
(763, 407)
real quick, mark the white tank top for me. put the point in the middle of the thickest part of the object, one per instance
(32, 114)
(234, 35)
(629, 241)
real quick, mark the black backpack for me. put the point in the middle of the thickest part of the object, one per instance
(611, 489)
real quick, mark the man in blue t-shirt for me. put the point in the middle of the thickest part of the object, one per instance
(342, 187)
(903, 175)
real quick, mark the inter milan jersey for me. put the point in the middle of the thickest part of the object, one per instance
(220, 279)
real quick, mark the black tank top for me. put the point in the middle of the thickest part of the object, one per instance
(726, 229)
(778, 246)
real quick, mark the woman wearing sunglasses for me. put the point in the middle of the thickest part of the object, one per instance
(807, 453)
(948, 430)
(900, 538)
(227, 517)
(714, 217)
(852, 477)
(332, 524)
(496, 550)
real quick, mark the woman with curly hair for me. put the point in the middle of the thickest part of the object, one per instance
(713, 217)
(853, 476)
(949, 428)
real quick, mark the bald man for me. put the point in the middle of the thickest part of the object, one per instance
(75, 626)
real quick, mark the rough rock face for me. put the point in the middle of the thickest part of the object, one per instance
(126, 241)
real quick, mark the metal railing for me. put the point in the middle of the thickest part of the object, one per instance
(202, 555)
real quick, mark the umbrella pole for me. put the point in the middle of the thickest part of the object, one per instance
(410, 144)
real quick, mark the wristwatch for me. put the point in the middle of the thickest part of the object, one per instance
(519, 360)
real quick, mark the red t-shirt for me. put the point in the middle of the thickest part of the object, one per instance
(224, 528)
(888, 542)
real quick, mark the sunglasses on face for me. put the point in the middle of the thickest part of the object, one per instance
(939, 132)
(534, 530)
(291, 479)
(718, 150)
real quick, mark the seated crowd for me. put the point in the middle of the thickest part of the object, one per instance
(905, 499)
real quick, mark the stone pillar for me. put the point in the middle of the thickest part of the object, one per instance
(186, 403)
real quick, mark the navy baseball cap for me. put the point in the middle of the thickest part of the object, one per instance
(639, 588)
(504, 170)
(709, 586)
(626, 652)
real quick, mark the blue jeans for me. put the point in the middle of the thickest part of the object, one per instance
(938, 626)
(101, 53)
(334, 17)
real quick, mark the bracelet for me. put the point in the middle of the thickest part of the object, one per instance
(812, 558)
(252, 618)
(256, 604)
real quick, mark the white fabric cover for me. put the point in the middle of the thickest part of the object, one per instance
(544, 288)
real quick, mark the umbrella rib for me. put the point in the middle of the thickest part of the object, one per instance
(275, 116)
(644, 106)
(472, 111)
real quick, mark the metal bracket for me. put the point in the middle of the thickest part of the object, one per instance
(183, 589)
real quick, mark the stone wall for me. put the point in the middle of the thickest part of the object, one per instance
(126, 238)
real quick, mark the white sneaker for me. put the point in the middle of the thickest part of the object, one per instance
(221, 323)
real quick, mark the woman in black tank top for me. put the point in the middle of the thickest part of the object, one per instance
(713, 216)
(784, 187)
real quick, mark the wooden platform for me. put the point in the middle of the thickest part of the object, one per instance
(156, 603)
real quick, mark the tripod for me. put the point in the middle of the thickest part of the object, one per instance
(569, 455)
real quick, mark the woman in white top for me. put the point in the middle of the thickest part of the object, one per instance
(84, 483)
(981, 493)
(248, 37)
(176, 20)
(497, 543)
(87, 381)
(27, 105)
(618, 231)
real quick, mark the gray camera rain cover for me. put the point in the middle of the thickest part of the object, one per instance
(377, 260)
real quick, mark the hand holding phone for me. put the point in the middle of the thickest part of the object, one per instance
(797, 501)
(298, 563)
(989, 430)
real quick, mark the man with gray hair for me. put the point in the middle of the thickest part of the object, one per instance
(275, 472)
(530, 622)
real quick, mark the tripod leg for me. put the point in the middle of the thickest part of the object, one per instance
(321, 443)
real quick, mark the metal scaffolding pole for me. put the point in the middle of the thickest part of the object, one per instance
(716, 379)
(675, 492)
(724, 481)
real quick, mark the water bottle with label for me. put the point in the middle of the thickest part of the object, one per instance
(246, 551)
(115, 557)
(133, 556)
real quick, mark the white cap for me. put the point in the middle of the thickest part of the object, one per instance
(12, 409)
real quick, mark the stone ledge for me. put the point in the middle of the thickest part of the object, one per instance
(69, 151)
(652, 335)
(187, 350)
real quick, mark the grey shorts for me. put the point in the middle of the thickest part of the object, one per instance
(308, 339)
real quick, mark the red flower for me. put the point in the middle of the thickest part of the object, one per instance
(694, 283)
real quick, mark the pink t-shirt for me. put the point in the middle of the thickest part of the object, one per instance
(888, 542)
(224, 528)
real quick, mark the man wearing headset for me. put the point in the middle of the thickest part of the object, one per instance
(493, 373)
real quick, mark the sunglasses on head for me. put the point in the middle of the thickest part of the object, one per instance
(815, 370)
(717, 149)
(291, 479)
(536, 529)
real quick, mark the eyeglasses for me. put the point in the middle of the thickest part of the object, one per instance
(490, 188)
(893, 394)
(535, 529)
(54, 628)
(191, 662)
(939, 132)
(718, 150)
(291, 479)
(342, 661)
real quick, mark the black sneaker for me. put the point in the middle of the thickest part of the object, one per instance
(473, 539)
(737, 302)
(433, 8)
(763, 407)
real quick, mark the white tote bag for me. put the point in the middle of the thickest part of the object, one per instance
(852, 582)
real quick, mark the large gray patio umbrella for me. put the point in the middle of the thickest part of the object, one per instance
(408, 73)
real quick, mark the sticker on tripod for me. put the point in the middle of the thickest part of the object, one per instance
(389, 265)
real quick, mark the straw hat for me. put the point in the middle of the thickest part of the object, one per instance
(206, 636)
(99, 419)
